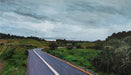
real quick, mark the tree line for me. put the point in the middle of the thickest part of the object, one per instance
(8, 36)
(119, 35)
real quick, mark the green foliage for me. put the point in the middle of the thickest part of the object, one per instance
(1, 44)
(112, 56)
(7, 54)
(69, 47)
(11, 70)
(119, 35)
(70, 58)
(115, 58)
(14, 53)
(78, 46)
(61, 42)
(53, 45)
(79, 57)
(8, 36)
(128, 40)
(86, 45)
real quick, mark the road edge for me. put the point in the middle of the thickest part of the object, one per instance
(69, 64)
(50, 67)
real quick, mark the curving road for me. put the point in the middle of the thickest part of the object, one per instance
(40, 63)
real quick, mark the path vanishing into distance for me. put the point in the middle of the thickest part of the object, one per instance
(41, 63)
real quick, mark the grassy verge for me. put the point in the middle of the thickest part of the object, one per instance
(15, 58)
(80, 57)
(14, 54)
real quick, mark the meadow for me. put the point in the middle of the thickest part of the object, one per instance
(14, 54)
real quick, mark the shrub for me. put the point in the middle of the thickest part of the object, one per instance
(26, 52)
(70, 58)
(53, 46)
(115, 57)
(78, 46)
(128, 40)
(69, 47)
(8, 54)
(89, 47)
(2, 44)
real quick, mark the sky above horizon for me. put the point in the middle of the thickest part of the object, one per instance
(70, 19)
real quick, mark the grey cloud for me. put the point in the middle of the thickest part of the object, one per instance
(69, 17)
(31, 15)
(87, 7)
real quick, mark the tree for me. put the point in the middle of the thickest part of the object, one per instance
(53, 46)
(69, 47)
(78, 46)
(119, 35)
(115, 57)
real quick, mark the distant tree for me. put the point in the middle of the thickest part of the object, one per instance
(8, 36)
(89, 47)
(69, 47)
(61, 42)
(98, 46)
(119, 35)
(78, 46)
(53, 45)
(73, 43)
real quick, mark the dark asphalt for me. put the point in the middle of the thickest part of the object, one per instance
(37, 67)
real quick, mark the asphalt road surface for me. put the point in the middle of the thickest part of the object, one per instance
(40, 63)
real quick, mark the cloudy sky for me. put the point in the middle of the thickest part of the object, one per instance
(71, 19)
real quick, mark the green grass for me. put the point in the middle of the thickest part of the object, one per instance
(14, 54)
(79, 57)
(26, 42)
(15, 58)
(84, 45)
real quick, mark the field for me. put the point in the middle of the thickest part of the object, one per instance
(14, 54)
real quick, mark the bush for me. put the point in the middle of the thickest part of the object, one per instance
(8, 54)
(2, 44)
(26, 52)
(69, 47)
(89, 47)
(53, 46)
(78, 46)
(115, 57)
(70, 58)
(128, 40)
